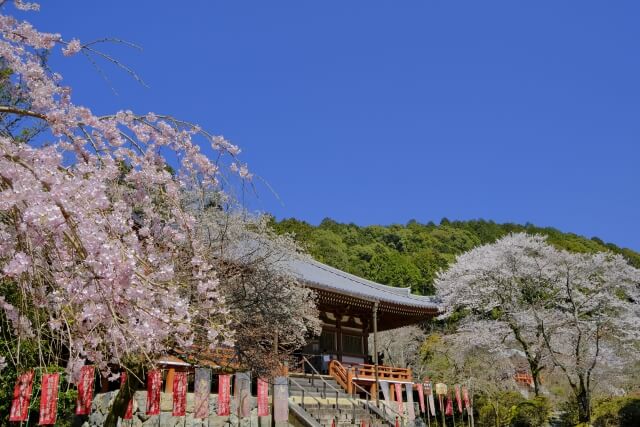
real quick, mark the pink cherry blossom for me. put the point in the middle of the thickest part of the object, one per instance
(72, 48)
(94, 230)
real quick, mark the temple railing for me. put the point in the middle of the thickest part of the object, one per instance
(365, 374)
(353, 378)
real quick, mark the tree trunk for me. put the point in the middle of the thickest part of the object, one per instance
(123, 397)
(535, 374)
(532, 359)
(584, 405)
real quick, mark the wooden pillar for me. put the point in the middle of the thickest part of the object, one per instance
(168, 384)
(350, 380)
(375, 348)
(365, 338)
(339, 335)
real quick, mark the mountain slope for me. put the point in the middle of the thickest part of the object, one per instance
(412, 254)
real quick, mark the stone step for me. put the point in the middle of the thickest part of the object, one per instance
(317, 388)
(319, 385)
(314, 393)
(357, 423)
(319, 380)
(322, 412)
(324, 418)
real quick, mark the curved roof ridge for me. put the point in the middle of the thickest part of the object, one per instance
(330, 278)
(387, 288)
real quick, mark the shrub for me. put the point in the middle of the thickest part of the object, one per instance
(617, 412)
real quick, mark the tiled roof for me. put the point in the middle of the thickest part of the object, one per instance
(322, 276)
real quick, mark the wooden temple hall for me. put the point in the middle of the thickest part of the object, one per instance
(351, 310)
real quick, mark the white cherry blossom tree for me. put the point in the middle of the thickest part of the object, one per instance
(577, 312)
(591, 325)
(503, 283)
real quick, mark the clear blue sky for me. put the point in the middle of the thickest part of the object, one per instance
(378, 112)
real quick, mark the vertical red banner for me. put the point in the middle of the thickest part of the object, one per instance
(154, 383)
(128, 414)
(263, 398)
(21, 397)
(179, 394)
(465, 397)
(49, 399)
(398, 387)
(85, 390)
(224, 397)
(458, 399)
(449, 408)
(421, 397)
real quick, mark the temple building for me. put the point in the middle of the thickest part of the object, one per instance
(352, 308)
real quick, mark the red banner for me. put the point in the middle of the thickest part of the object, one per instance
(458, 399)
(224, 398)
(263, 398)
(398, 387)
(21, 397)
(85, 390)
(465, 397)
(421, 397)
(154, 383)
(128, 414)
(179, 394)
(49, 399)
(449, 408)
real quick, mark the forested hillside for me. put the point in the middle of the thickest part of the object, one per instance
(412, 254)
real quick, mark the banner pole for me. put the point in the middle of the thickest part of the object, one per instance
(471, 398)
(453, 416)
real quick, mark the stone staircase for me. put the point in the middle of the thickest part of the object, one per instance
(323, 386)
(325, 402)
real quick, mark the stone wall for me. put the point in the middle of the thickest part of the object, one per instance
(102, 402)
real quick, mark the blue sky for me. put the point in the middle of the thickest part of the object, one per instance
(378, 112)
